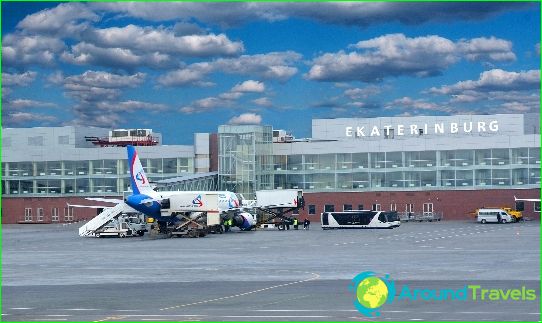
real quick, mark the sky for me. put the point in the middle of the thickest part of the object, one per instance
(182, 67)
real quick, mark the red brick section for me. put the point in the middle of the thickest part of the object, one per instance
(455, 205)
(13, 208)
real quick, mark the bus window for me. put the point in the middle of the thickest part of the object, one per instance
(325, 220)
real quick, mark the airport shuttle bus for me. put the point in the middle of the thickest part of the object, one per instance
(362, 219)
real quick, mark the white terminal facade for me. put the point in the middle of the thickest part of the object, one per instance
(345, 155)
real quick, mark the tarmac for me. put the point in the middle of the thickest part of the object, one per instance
(49, 273)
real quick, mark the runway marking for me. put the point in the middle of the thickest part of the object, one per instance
(21, 308)
(315, 276)
(275, 316)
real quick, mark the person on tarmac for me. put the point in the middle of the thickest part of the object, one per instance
(295, 224)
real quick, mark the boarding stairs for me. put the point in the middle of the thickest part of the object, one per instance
(102, 219)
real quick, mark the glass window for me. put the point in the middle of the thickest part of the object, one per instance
(378, 160)
(464, 178)
(53, 168)
(520, 176)
(395, 179)
(24, 168)
(393, 207)
(378, 179)
(312, 209)
(40, 169)
(110, 166)
(428, 179)
(97, 167)
(54, 214)
(41, 186)
(327, 161)
(360, 160)
(83, 185)
(534, 156)
(482, 157)
(344, 180)
(376, 207)
(329, 208)
(27, 214)
(360, 206)
(296, 181)
(360, 180)
(82, 167)
(53, 186)
(280, 181)
(320, 181)
(39, 214)
(347, 207)
(428, 158)
(500, 157)
(155, 166)
(394, 159)
(27, 187)
(482, 177)
(447, 178)
(534, 176)
(311, 163)
(69, 186)
(14, 187)
(184, 165)
(170, 166)
(344, 161)
(536, 207)
(519, 156)
(500, 177)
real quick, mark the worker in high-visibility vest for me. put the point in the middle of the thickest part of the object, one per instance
(295, 224)
(227, 225)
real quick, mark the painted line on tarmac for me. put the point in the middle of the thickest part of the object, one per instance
(315, 276)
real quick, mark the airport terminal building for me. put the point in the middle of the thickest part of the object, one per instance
(448, 164)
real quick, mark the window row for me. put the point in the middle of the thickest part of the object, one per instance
(399, 179)
(445, 158)
(40, 215)
(96, 167)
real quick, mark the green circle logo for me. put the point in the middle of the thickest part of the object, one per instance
(372, 292)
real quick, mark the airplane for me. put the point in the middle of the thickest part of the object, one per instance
(149, 202)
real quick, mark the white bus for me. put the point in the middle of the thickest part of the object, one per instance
(493, 215)
(360, 219)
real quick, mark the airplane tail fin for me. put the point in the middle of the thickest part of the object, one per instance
(138, 179)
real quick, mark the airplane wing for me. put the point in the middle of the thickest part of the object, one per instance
(99, 199)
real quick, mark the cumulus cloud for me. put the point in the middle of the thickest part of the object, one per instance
(398, 55)
(22, 79)
(416, 104)
(65, 19)
(495, 80)
(263, 102)
(274, 66)
(246, 118)
(22, 50)
(249, 86)
(362, 93)
(501, 91)
(23, 104)
(343, 13)
(23, 118)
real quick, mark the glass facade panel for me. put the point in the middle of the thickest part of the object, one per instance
(97, 167)
(360, 160)
(69, 186)
(519, 156)
(500, 177)
(500, 157)
(482, 177)
(110, 166)
(54, 186)
(394, 159)
(344, 180)
(520, 176)
(482, 157)
(53, 168)
(280, 162)
(295, 162)
(360, 180)
(378, 160)
(534, 156)
(412, 179)
(394, 179)
(27, 187)
(170, 166)
(534, 176)
(327, 162)
(464, 178)
(344, 161)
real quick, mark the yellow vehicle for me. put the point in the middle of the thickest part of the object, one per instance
(517, 215)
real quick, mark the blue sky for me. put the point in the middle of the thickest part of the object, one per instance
(181, 68)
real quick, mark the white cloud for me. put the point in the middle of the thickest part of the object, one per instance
(22, 79)
(65, 19)
(249, 86)
(362, 93)
(22, 50)
(246, 118)
(274, 66)
(18, 118)
(264, 102)
(23, 104)
(495, 80)
(397, 55)
(487, 49)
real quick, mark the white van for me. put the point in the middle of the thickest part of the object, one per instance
(494, 215)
